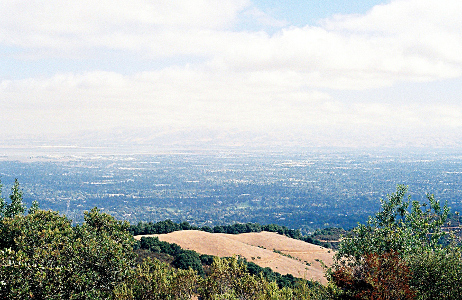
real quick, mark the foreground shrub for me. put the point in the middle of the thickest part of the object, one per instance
(154, 280)
(437, 274)
(229, 279)
(401, 253)
(385, 277)
(43, 256)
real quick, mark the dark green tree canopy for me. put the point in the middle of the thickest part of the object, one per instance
(42, 256)
(15, 206)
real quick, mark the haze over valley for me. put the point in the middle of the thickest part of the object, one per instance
(302, 190)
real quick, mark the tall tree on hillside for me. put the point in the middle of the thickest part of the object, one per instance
(16, 206)
(2, 202)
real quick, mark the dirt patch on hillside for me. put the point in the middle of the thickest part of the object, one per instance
(295, 257)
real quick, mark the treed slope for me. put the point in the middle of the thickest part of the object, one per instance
(295, 257)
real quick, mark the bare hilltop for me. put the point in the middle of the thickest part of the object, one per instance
(266, 249)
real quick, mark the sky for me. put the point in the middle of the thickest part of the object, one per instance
(232, 72)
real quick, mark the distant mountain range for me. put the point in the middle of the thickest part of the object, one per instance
(148, 139)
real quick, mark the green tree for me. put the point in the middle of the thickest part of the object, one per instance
(42, 256)
(229, 279)
(408, 235)
(437, 274)
(154, 280)
(34, 207)
(398, 227)
(2, 202)
(188, 259)
(16, 205)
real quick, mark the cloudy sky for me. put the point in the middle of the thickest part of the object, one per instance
(313, 73)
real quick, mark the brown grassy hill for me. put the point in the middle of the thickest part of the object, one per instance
(298, 258)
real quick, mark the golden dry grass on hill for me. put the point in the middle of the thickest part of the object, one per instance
(298, 258)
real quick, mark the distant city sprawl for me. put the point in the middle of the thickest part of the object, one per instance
(321, 188)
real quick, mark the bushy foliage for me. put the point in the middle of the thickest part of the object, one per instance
(189, 259)
(437, 274)
(155, 245)
(398, 227)
(405, 239)
(229, 279)
(287, 280)
(182, 259)
(43, 256)
(381, 276)
(153, 280)
(15, 207)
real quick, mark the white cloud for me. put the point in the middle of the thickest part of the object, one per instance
(177, 98)
(48, 17)
(423, 30)
(401, 41)
(188, 98)
(416, 40)
(119, 24)
(241, 79)
(255, 15)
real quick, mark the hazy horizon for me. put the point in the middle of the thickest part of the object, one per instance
(235, 73)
